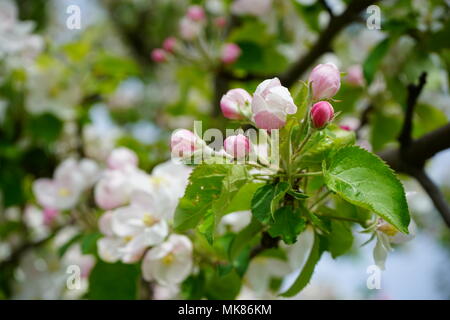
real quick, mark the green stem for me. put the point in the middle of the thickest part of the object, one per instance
(321, 198)
(343, 218)
(307, 174)
(303, 144)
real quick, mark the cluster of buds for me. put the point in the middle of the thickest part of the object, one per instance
(192, 44)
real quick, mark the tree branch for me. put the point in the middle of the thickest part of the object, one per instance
(410, 157)
(434, 193)
(413, 94)
(322, 45)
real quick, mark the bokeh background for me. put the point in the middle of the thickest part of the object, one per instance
(83, 92)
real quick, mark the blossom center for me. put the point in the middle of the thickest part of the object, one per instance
(149, 220)
(168, 259)
(64, 192)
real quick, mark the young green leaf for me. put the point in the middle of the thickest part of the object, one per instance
(210, 187)
(266, 199)
(287, 224)
(363, 179)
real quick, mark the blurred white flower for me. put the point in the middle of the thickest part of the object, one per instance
(128, 94)
(70, 179)
(17, 42)
(170, 262)
(257, 8)
(235, 221)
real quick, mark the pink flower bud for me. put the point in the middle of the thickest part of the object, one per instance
(183, 143)
(271, 104)
(234, 102)
(170, 44)
(326, 81)
(230, 53)
(159, 55)
(321, 114)
(121, 158)
(355, 76)
(50, 215)
(220, 22)
(238, 146)
(189, 29)
(196, 13)
(346, 128)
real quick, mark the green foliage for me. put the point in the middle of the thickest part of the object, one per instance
(45, 128)
(307, 271)
(288, 224)
(373, 61)
(266, 199)
(364, 180)
(116, 281)
(211, 189)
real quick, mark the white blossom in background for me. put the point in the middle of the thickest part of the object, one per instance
(17, 42)
(257, 8)
(234, 221)
(170, 262)
(71, 178)
(128, 95)
(96, 144)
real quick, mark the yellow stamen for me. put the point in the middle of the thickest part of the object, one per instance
(149, 220)
(128, 238)
(64, 192)
(388, 229)
(168, 259)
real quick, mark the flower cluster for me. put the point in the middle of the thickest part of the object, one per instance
(140, 209)
(193, 44)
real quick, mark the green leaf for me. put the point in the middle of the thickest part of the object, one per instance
(340, 239)
(224, 287)
(288, 224)
(116, 281)
(243, 198)
(243, 238)
(363, 179)
(45, 128)
(307, 271)
(89, 243)
(266, 199)
(373, 61)
(210, 191)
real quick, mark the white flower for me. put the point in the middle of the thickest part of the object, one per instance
(170, 262)
(169, 180)
(257, 8)
(236, 221)
(120, 158)
(70, 179)
(143, 221)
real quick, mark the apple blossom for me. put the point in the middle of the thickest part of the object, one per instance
(196, 13)
(170, 262)
(235, 103)
(189, 29)
(325, 81)
(220, 22)
(271, 104)
(230, 53)
(113, 189)
(321, 114)
(159, 55)
(355, 76)
(238, 146)
(170, 44)
(257, 8)
(183, 143)
(70, 179)
(121, 158)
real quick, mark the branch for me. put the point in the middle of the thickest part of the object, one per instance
(410, 157)
(413, 94)
(324, 3)
(267, 242)
(434, 193)
(322, 45)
